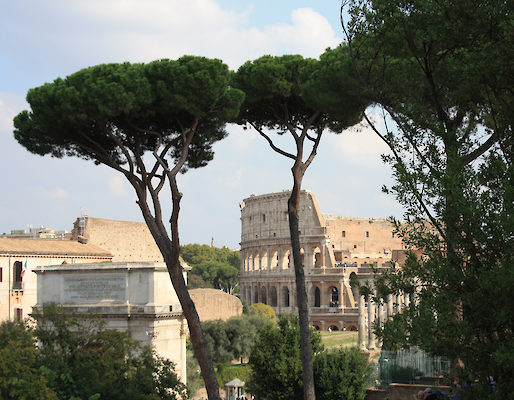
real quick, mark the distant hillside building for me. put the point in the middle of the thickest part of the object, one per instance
(334, 250)
(37, 233)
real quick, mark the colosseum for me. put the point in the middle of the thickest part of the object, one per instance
(335, 250)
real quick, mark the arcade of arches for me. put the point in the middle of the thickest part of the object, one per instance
(334, 250)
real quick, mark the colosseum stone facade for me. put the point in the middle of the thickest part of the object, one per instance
(334, 250)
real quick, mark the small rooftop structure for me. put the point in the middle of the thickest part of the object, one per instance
(234, 389)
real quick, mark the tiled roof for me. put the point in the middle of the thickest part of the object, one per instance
(50, 247)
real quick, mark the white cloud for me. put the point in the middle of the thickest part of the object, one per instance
(361, 145)
(57, 193)
(10, 105)
(132, 30)
(117, 186)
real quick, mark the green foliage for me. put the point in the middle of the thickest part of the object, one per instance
(99, 110)
(234, 338)
(290, 89)
(81, 359)
(442, 73)
(341, 374)
(21, 377)
(399, 374)
(220, 275)
(195, 254)
(194, 375)
(217, 340)
(212, 267)
(225, 372)
(264, 311)
(275, 360)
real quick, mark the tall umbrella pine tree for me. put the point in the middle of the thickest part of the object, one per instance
(442, 72)
(299, 97)
(149, 122)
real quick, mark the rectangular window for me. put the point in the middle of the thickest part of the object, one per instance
(343, 233)
(392, 234)
(367, 234)
(19, 314)
(1, 277)
(263, 217)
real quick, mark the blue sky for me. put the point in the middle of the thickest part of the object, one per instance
(43, 40)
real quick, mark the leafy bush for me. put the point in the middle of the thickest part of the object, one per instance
(275, 361)
(341, 374)
(398, 374)
(20, 376)
(86, 359)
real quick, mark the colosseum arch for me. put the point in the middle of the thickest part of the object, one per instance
(285, 296)
(316, 257)
(273, 296)
(316, 296)
(263, 295)
(255, 294)
(353, 285)
(333, 293)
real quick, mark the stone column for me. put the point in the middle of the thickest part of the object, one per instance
(341, 294)
(398, 303)
(389, 306)
(279, 256)
(406, 299)
(371, 320)
(308, 258)
(362, 326)
(308, 289)
(380, 312)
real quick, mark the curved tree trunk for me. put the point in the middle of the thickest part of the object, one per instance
(301, 293)
(170, 252)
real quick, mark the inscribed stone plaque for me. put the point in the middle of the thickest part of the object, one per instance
(94, 288)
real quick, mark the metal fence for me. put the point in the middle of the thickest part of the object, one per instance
(407, 366)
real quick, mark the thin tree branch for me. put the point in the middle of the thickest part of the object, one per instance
(122, 147)
(314, 150)
(470, 157)
(411, 184)
(270, 142)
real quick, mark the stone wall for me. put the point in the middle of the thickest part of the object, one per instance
(214, 304)
(126, 241)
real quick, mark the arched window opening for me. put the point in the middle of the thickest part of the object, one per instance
(273, 296)
(317, 297)
(334, 297)
(285, 297)
(263, 295)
